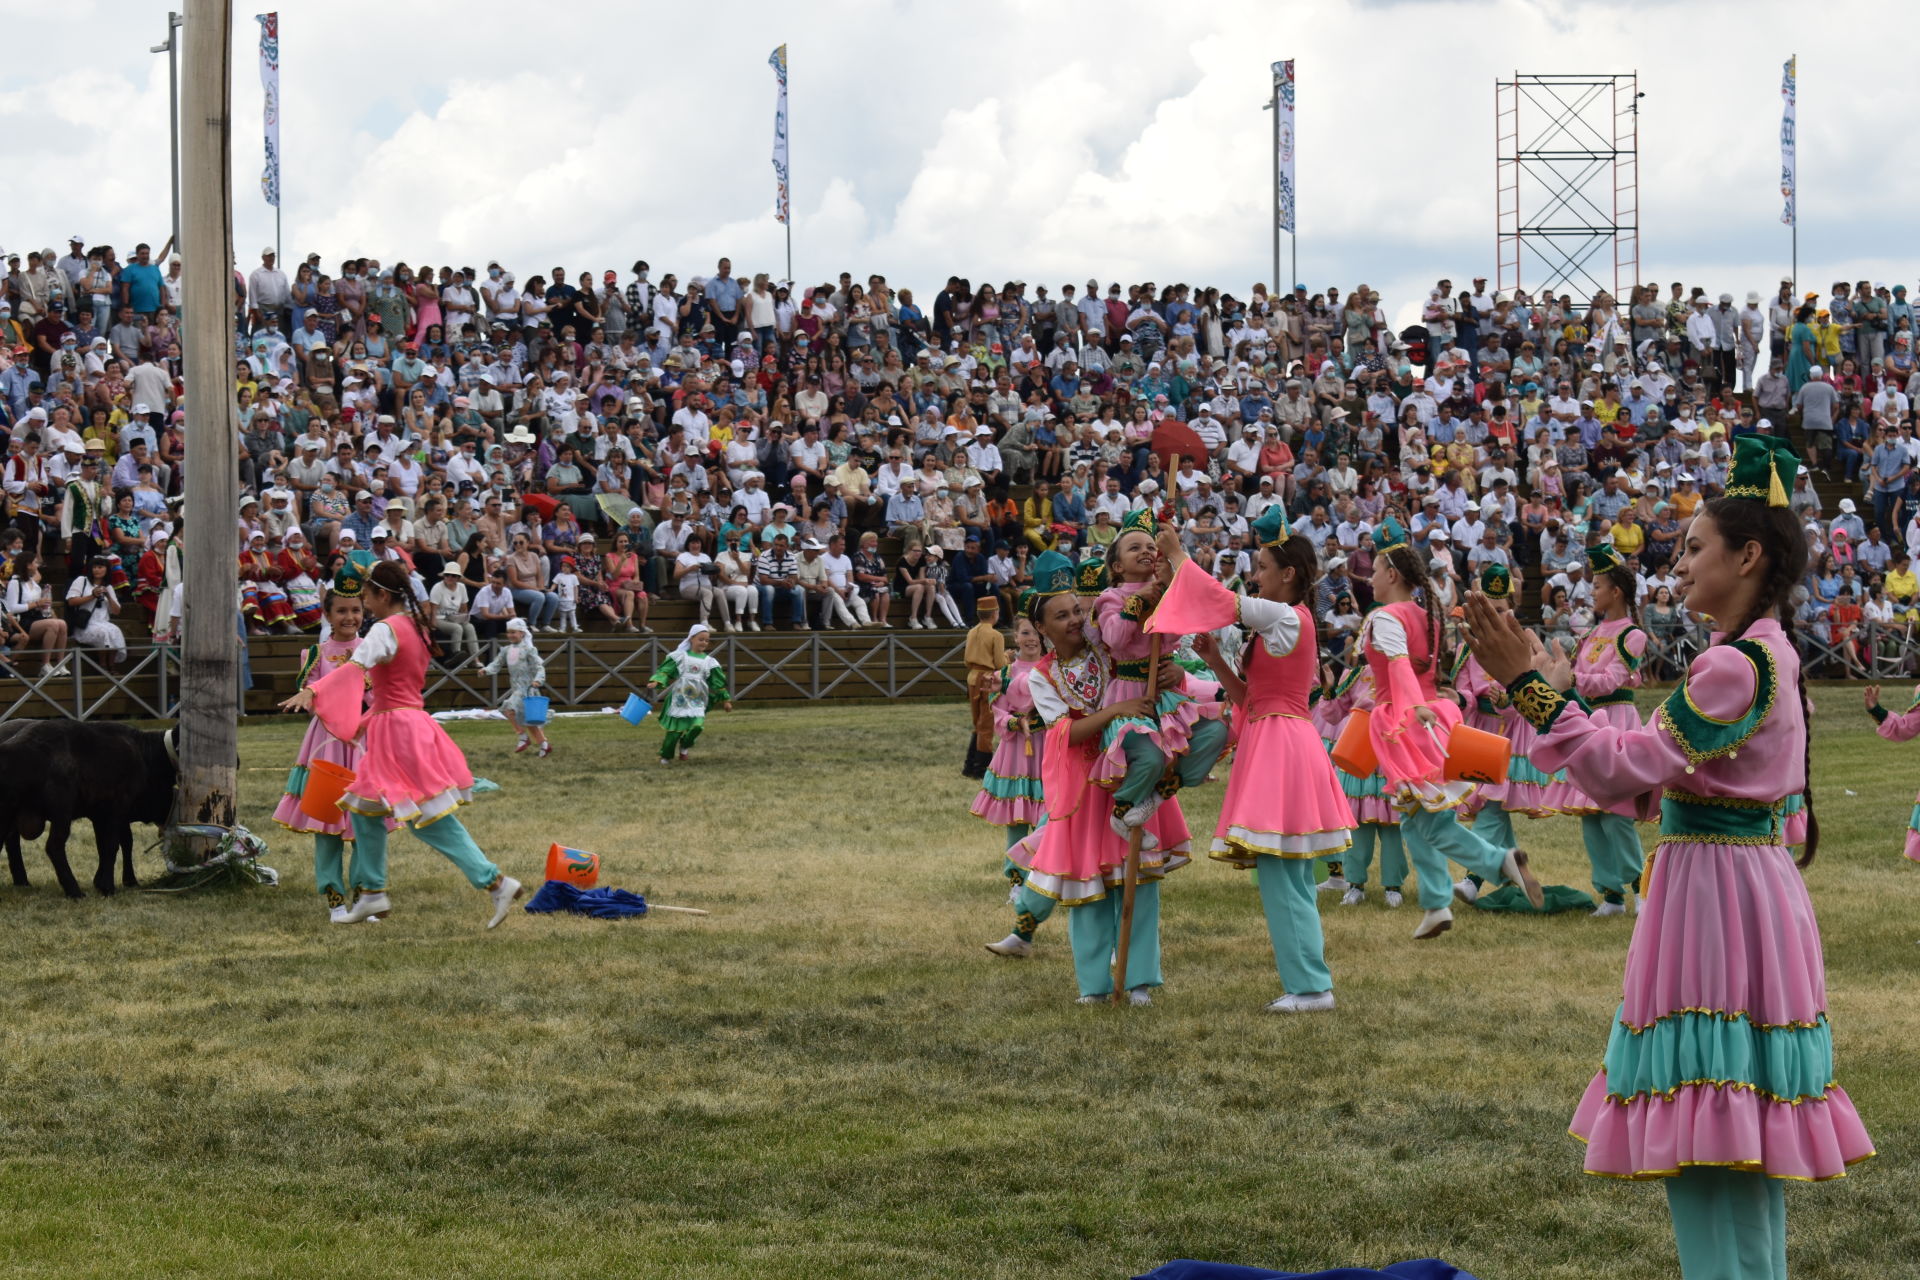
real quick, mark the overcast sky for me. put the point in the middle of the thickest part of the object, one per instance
(999, 139)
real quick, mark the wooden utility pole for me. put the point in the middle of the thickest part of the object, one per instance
(210, 670)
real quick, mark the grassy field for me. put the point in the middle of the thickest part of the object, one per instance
(829, 1076)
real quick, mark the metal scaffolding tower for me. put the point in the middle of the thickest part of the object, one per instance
(1567, 184)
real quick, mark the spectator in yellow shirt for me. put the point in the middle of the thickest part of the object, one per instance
(1629, 535)
(1902, 587)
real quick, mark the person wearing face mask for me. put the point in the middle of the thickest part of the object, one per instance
(351, 290)
(327, 509)
(457, 299)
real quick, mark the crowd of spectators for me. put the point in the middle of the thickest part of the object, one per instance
(568, 447)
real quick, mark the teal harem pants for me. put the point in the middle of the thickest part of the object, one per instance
(445, 835)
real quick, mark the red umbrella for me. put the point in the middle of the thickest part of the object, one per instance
(1173, 439)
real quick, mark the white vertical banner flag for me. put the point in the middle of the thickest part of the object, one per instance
(1283, 140)
(1789, 179)
(270, 84)
(779, 64)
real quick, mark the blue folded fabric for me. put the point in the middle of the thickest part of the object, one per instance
(601, 904)
(1419, 1269)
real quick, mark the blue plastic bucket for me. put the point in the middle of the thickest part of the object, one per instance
(636, 709)
(534, 709)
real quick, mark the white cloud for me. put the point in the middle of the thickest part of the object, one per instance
(1010, 139)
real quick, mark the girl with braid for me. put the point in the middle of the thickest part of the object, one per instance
(1718, 1075)
(411, 770)
(1606, 671)
(1376, 823)
(1283, 807)
(1525, 790)
(1403, 644)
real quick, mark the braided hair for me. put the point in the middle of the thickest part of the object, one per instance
(1413, 572)
(1300, 555)
(1628, 586)
(1784, 545)
(389, 577)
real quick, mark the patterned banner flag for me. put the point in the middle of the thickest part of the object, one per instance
(1788, 177)
(270, 84)
(779, 64)
(1283, 140)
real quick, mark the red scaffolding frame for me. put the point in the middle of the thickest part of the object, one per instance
(1567, 184)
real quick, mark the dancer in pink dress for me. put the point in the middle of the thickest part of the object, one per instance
(1375, 822)
(1075, 856)
(330, 875)
(1010, 795)
(1903, 727)
(1718, 1075)
(1146, 760)
(1486, 707)
(1283, 806)
(1402, 641)
(1606, 671)
(411, 770)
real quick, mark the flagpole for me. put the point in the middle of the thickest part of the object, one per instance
(789, 180)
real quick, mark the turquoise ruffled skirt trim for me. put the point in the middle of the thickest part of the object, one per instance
(1521, 769)
(1369, 786)
(1010, 788)
(1781, 1064)
(1913, 819)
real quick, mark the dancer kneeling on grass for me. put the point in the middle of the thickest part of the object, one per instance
(526, 676)
(1147, 759)
(1010, 795)
(1718, 1074)
(1283, 806)
(330, 874)
(1076, 857)
(1402, 642)
(1606, 671)
(411, 770)
(692, 679)
(1897, 728)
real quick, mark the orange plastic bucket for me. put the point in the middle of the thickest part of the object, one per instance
(1353, 752)
(1474, 755)
(326, 783)
(576, 866)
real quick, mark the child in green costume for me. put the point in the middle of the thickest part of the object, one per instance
(689, 680)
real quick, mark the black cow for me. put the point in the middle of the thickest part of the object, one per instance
(56, 772)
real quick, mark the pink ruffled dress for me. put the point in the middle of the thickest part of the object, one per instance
(1364, 795)
(1010, 793)
(411, 770)
(1894, 728)
(1074, 857)
(1606, 671)
(1481, 700)
(1412, 758)
(1282, 798)
(324, 658)
(1720, 1053)
(1120, 617)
